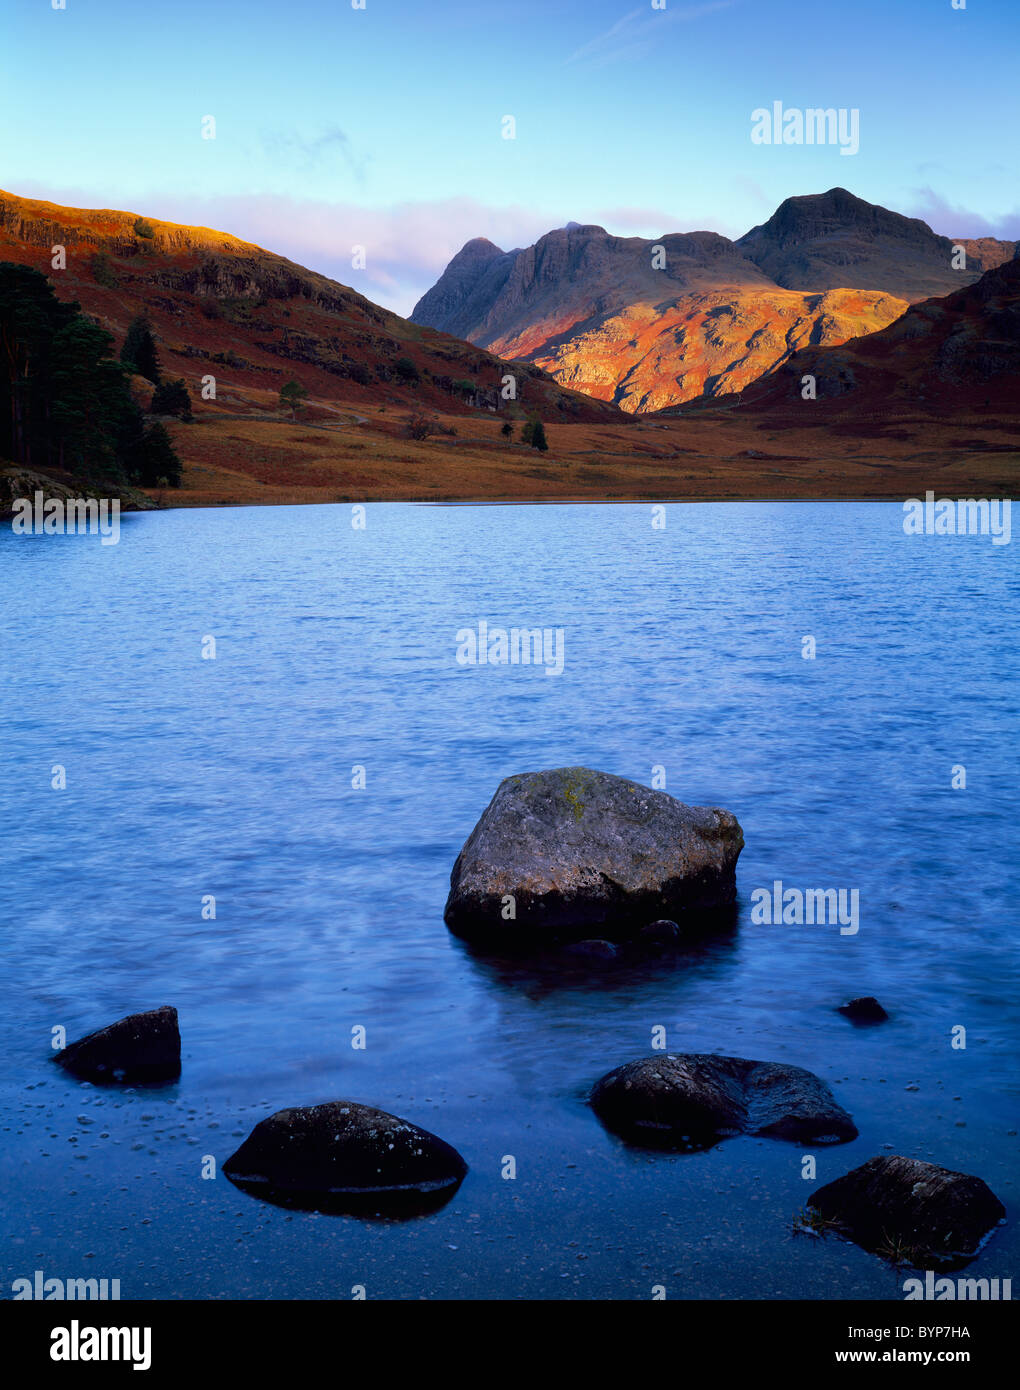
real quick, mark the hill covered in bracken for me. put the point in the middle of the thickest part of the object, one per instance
(224, 306)
(948, 358)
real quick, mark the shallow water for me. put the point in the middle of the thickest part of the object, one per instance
(233, 777)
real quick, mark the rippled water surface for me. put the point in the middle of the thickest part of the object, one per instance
(335, 648)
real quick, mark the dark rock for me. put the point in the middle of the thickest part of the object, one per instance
(910, 1211)
(660, 934)
(143, 1047)
(577, 849)
(694, 1099)
(867, 1009)
(591, 950)
(345, 1156)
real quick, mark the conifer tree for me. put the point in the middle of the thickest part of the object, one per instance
(139, 351)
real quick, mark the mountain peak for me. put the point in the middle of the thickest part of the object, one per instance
(479, 248)
(835, 240)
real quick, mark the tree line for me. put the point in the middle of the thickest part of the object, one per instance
(65, 402)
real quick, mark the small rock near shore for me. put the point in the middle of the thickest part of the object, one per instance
(694, 1099)
(661, 934)
(143, 1047)
(911, 1211)
(866, 1009)
(345, 1154)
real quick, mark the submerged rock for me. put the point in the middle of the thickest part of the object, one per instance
(693, 1099)
(557, 853)
(143, 1047)
(910, 1211)
(867, 1009)
(346, 1156)
(661, 934)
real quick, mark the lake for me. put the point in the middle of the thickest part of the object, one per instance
(239, 777)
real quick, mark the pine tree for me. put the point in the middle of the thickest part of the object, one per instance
(30, 315)
(139, 351)
(148, 453)
(88, 397)
(172, 398)
(533, 433)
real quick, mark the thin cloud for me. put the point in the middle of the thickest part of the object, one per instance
(637, 34)
(306, 153)
(950, 219)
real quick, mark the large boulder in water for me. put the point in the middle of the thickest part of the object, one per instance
(346, 1156)
(690, 1100)
(143, 1047)
(575, 849)
(911, 1211)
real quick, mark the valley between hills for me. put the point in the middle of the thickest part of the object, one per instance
(916, 383)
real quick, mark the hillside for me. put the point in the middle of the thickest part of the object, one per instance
(946, 358)
(254, 319)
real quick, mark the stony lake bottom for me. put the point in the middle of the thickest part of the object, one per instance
(335, 649)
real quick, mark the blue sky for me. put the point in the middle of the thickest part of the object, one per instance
(382, 126)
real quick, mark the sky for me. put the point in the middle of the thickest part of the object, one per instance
(383, 126)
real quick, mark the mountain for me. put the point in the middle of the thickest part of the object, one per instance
(833, 239)
(219, 304)
(645, 324)
(951, 358)
(650, 324)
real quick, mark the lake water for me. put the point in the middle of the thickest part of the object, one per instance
(335, 649)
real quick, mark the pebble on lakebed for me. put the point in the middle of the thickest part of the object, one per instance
(141, 1048)
(345, 1156)
(910, 1211)
(691, 1100)
(558, 853)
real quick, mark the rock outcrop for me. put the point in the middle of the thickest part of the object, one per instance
(141, 1048)
(347, 1156)
(557, 853)
(910, 1211)
(691, 1100)
(17, 482)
